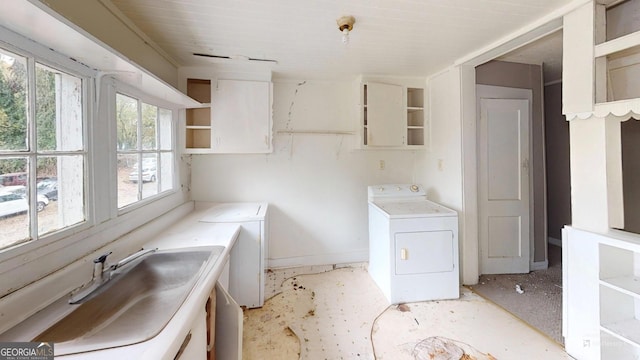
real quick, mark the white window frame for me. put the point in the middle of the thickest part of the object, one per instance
(127, 90)
(35, 55)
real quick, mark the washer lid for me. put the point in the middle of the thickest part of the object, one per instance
(404, 209)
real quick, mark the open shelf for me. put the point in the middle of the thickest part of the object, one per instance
(619, 313)
(617, 54)
(629, 285)
(198, 120)
(392, 114)
(612, 347)
(415, 116)
(198, 138)
(415, 136)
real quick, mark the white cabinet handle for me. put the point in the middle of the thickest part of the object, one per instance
(404, 254)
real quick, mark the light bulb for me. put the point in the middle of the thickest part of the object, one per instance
(345, 36)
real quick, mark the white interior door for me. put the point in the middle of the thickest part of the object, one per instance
(503, 187)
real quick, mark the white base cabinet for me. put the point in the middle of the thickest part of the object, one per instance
(249, 255)
(601, 294)
(194, 345)
(228, 327)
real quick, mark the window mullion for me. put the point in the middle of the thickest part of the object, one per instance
(32, 148)
(157, 150)
(139, 142)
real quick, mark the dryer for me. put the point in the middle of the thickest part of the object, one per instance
(413, 245)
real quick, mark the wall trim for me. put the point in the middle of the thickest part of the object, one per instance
(555, 242)
(539, 265)
(322, 259)
(553, 82)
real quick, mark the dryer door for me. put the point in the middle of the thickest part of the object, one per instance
(424, 252)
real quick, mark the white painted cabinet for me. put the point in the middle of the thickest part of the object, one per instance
(601, 68)
(601, 294)
(241, 117)
(228, 326)
(383, 115)
(235, 117)
(392, 114)
(250, 252)
(619, 301)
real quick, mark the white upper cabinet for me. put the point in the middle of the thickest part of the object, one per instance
(392, 114)
(384, 115)
(241, 117)
(235, 116)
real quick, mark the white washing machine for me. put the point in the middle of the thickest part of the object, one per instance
(413, 245)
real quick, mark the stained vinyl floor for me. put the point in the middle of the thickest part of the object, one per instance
(330, 312)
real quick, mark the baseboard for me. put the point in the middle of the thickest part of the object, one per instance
(539, 265)
(554, 241)
(321, 259)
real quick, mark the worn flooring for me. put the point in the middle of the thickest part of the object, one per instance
(540, 301)
(332, 312)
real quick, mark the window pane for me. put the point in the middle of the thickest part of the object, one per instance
(58, 110)
(165, 118)
(166, 168)
(13, 102)
(127, 188)
(14, 206)
(127, 122)
(149, 121)
(149, 175)
(60, 192)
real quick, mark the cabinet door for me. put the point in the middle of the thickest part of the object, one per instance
(241, 117)
(247, 266)
(385, 115)
(229, 317)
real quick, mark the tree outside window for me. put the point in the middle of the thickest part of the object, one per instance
(42, 151)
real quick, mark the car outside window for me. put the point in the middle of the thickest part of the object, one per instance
(145, 150)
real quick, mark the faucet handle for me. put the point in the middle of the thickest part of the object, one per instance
(102, 258)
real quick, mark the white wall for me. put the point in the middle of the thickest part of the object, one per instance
(442, 174)
(441, 168)
(316, 184)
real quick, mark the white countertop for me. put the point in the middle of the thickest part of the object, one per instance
(188, 232)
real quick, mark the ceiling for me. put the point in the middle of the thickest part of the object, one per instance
(390, 37)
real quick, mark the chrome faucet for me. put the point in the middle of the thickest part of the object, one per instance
(99, 278)
(131, 258)
(98, 266)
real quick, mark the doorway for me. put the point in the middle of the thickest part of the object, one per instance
(535, 296)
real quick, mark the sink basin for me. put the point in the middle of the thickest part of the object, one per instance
(135, 305)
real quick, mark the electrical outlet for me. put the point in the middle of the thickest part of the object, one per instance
(440, 164)
(381, 165)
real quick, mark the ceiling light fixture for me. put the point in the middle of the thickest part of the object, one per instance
(345, 25)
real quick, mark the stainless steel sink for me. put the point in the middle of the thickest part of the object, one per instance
(135, 305)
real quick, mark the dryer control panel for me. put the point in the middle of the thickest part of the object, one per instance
(401, 191)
